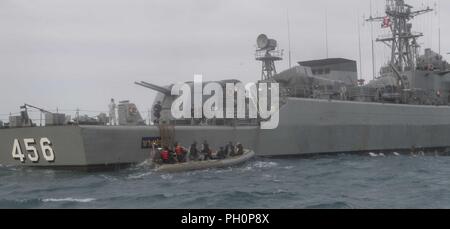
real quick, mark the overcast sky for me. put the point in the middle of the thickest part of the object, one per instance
(80, 53)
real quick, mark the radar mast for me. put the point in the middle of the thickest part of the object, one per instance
(267, 53)
(402, 40)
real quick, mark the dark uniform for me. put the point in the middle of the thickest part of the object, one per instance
(206, 151)
(229, 149)
(240, 150)
(193, 152)
(173, 157)
(222, 154)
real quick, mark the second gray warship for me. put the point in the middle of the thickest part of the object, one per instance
(324, 108)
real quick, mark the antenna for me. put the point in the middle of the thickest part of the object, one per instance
(326, 31)
(359, 46)
(438, 7)
(289, 38)
(373, 42)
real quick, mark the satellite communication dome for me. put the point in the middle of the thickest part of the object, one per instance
(264, 43)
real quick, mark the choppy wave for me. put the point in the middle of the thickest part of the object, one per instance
(19, 203)
(333, 205)
(330, 182)
(86, 200)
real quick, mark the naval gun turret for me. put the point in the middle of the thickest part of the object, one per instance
(162, 105)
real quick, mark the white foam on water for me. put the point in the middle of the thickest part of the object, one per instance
(246, 169)
(167, 177)
(146, 163)
(139, 176)
(226, 170)
(373, 155)
(108, 178)
(168, 195)
(279, 191)
(87, 200)
(262, 164)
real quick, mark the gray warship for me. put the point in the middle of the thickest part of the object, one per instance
(324, 109)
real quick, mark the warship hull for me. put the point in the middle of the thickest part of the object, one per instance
(307, 127)
(76, 146)
(311, 127)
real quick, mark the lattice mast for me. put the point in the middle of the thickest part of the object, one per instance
(402, 40)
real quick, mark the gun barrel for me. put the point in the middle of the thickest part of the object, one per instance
(154, 87)
(38, 108)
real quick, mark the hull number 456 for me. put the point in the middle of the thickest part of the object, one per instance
(31, 150)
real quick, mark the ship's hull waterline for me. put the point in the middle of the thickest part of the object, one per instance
(307, 127)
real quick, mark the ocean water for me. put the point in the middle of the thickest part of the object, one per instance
(345, 181)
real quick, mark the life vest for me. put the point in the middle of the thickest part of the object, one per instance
(165, 155)
(179, 150)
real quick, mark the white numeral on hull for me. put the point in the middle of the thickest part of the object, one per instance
(32, 151)
(47, 150)
(17, 151)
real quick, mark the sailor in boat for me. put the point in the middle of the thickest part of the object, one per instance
(168, 156)
(229, 149)
(165, 156)
(206, 151)
(180, 152)
(239, 149)
(193, 152)
(180, 155)
(221, 154)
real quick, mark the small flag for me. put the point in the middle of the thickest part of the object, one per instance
(386, 22)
